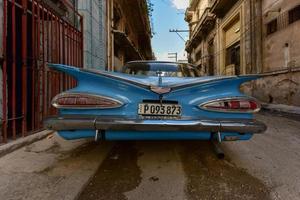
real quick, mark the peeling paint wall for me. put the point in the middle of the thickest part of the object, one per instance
(277, 89)
(281, 55)
(281, 48)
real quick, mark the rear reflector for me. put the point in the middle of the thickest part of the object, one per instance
(84, 101)
(232, 105)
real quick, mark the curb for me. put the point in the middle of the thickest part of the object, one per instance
(21, 142)
(294, 110)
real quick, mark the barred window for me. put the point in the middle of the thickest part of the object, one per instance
(294, 14)
(272, 27)
(198, 55)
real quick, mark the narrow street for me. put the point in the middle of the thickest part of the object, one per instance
(265, 167)
(83, 82)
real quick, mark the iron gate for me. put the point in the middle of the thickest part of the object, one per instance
(33, 35)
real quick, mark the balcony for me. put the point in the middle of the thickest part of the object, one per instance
(221, 7)
(204, 25)
(60, 7)
(193, 4)
(188, 15)
(122, 39)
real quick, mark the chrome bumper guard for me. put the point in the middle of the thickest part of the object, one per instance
(121, 123)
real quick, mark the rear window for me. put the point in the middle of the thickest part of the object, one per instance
(165, 69)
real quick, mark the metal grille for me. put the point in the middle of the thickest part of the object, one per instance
(33, 35)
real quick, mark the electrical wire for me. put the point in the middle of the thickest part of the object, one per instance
(242, 36)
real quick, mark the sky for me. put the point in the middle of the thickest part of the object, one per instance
(169, 14)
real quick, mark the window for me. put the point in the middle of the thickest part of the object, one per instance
(294, 14)
(272, 27)
(198, 56)
(233, 57)
(117, 18)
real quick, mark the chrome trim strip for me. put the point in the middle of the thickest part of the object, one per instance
(54, 101)
(202, 105)
(122, 123)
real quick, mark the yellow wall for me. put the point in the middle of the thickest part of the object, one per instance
(230, 30)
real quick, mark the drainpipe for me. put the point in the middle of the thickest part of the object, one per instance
(258, 36)
(110, 37)
(91, 30)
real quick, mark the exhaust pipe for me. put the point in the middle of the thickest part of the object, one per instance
(99, 135)
(216, 145)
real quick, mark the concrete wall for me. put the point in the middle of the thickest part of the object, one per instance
(94, 12)
(276, 55)
(279, 89)
(280, 49)
(281, 56)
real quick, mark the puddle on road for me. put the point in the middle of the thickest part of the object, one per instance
(210, 178)
(206, 176)
(117, 174)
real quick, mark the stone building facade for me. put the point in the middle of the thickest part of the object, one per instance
(202, 26)
(129, 32)
(236, 37)
(280, 53)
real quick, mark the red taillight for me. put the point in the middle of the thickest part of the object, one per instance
(232, 105)
(84, 101)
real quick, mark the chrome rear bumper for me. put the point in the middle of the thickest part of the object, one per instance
(188, 124)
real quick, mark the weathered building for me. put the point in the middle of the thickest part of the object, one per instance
(280, 53)
(222, 39)
(233, 37)
(202, 26)
(129, 32)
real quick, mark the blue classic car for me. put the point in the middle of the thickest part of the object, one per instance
(153, 100)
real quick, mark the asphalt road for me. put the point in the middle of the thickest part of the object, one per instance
(266, 167)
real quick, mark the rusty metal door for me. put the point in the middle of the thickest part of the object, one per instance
(33, 35)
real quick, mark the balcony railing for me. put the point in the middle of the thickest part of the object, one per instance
(193, 4)
(204, 24)
(221, 7)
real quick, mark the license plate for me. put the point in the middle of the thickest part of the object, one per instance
(159, 109)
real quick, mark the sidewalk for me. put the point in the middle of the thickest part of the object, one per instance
(51, 168)
(21, 142)
(282, 108)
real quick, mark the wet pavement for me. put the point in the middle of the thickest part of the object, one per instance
(265, 167)
(171, 170)
(118, 173)
(190, 170)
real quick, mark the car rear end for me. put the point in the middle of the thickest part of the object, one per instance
(116, 106)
